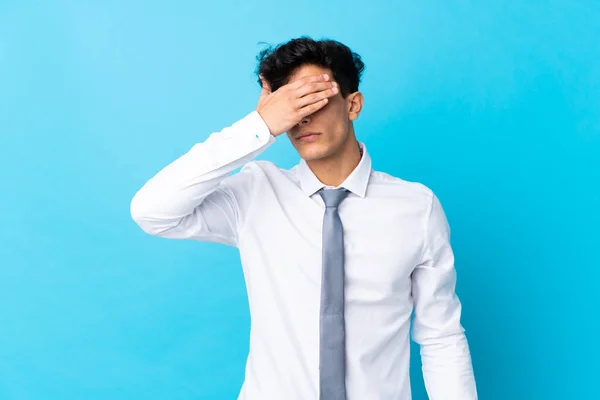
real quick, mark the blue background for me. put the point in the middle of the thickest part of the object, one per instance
(492, 104)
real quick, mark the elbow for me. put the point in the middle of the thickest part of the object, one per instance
(141, 215)
(150, 217)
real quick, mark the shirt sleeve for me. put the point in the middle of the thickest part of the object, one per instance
(445, 355)
(195, 197)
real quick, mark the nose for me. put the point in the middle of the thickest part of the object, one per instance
(304, 121)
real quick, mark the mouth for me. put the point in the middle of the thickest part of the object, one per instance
(307, 136)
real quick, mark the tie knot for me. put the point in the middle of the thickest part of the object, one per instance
(333, 197)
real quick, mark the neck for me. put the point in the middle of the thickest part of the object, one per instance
(334, 169)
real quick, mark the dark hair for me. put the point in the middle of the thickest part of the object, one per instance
(277, 64)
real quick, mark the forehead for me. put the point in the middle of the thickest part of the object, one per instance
(308, 70)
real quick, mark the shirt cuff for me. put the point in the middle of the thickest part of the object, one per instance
(254, 129)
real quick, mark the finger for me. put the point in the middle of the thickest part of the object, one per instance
(308, 79)
(314, 107)
(316, 97)
(313, 87)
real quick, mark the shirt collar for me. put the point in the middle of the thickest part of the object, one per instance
(356, 182)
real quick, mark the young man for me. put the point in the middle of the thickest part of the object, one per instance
(336, 256)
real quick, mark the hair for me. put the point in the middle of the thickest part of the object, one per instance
(276, 65)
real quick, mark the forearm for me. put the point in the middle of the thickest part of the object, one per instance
(176, 190)
(447, 368)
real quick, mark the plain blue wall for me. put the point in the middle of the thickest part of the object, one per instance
(493, 104)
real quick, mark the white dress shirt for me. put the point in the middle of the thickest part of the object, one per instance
(398, 260)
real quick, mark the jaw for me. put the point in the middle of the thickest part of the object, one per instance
(317, 150)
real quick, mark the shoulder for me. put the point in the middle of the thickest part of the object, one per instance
(386, 184)
(408, 197)
(260, 167)
(264, 171)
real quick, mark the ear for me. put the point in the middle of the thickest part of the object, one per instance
(354, 103)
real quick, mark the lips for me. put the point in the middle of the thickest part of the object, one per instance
(303, 134)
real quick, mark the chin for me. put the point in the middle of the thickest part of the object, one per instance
(313, 151)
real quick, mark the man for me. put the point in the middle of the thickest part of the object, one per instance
(336, 256)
